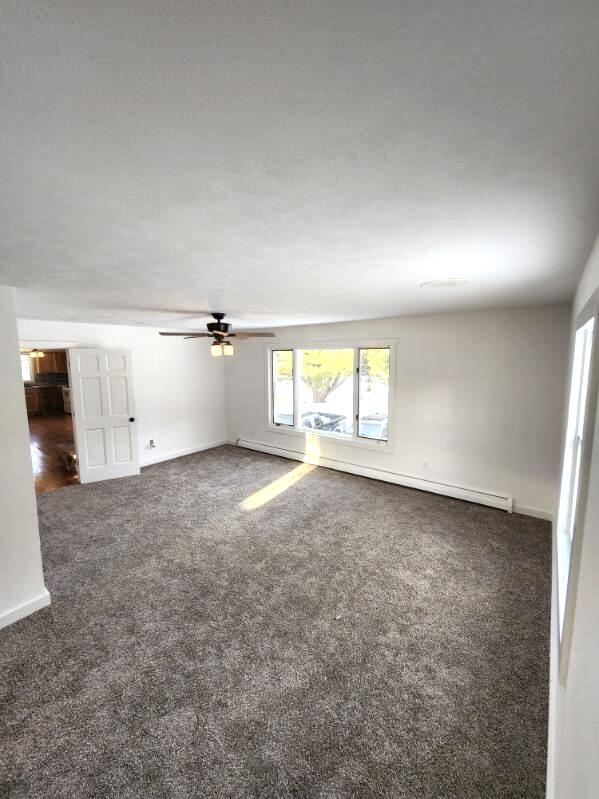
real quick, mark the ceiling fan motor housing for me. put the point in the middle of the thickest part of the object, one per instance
(219, 326)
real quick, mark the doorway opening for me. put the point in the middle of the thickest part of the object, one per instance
(48, 399)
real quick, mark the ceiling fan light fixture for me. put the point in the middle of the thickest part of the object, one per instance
(219, 332)
(35, 353)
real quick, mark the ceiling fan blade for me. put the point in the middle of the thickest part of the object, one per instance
(219, 333)
(186, 335)
(253, 335)
(171, 311)
(199, 313)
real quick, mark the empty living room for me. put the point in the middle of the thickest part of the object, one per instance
(299, 357)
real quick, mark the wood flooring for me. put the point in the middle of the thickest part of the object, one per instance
(46, 433)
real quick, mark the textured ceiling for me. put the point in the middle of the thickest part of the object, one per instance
(295, 162)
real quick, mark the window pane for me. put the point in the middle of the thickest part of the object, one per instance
(374, 394)
(282, 387)
(569, 489)
(326, 391)
(580, 376)
(25, 366)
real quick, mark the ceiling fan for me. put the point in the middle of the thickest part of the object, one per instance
(220, 332)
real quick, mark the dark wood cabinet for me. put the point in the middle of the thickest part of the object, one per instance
(50, 400)
(51, 362)
(60, 359)
(42, 366)
(32, 401)
(44, 400)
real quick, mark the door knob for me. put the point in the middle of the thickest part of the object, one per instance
(131, 418)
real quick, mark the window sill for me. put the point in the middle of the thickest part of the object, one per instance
(359, 443)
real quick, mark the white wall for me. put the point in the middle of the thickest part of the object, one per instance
(179, 387)
(479, 398)
(22, 587)
(573, 769)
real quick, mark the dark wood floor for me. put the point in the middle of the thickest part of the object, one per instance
(45, 433)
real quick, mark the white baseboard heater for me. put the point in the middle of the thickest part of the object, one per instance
(420, 483)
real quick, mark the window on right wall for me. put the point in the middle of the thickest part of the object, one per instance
(576, 432)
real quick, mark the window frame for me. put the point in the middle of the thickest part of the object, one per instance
(361, 442)
(572, 568)
(271, 392)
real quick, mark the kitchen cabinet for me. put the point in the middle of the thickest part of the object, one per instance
(44, 400)
(42, 366)
(51, 362)
(60, 361)
(32, 401)
(50, 400)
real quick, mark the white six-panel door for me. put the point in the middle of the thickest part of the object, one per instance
(103, 408)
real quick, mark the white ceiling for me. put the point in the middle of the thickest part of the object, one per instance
(295, 162)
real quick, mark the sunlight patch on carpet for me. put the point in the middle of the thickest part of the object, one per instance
(272, 490)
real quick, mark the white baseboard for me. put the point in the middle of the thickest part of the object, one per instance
(25, 609)
(410, 481)
(538, 513)
(167, 456)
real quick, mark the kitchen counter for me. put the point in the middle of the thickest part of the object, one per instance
(45, 385)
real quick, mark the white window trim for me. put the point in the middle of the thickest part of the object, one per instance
(565, 630)
(355, 440)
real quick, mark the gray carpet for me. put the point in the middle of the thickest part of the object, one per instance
(349, 638)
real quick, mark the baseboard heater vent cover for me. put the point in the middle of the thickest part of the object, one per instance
(409, 481)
